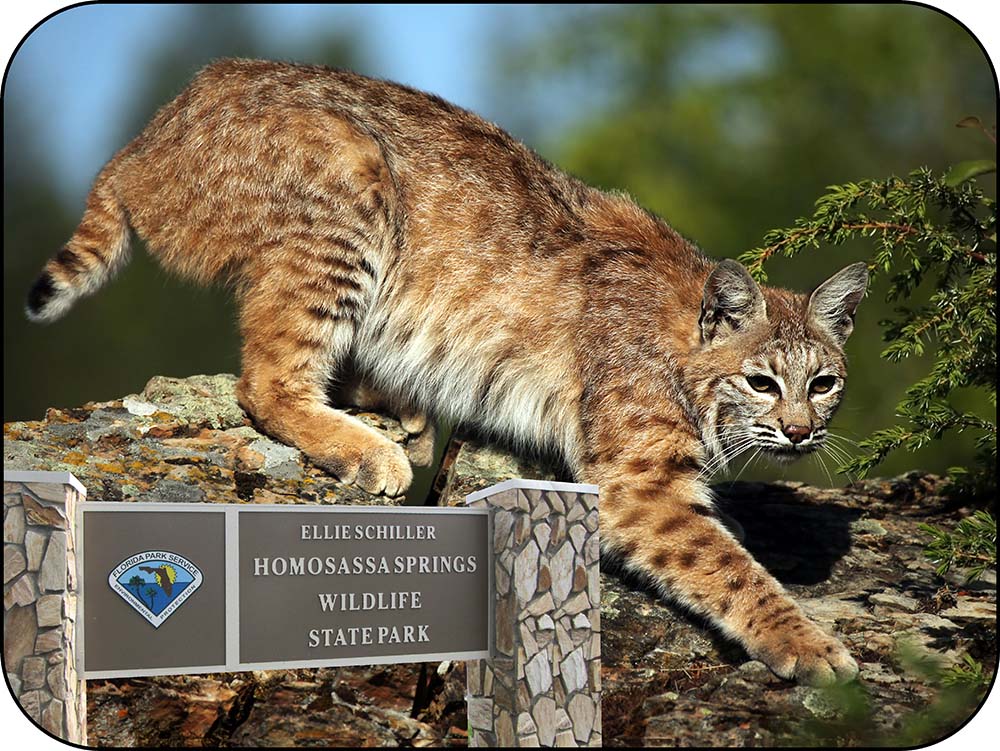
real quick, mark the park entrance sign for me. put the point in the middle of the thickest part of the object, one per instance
(196, 588)
(509, 584)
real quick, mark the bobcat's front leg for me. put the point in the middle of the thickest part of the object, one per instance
(295, 332)
(660, 518)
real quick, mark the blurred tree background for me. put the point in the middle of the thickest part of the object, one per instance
(726, 120)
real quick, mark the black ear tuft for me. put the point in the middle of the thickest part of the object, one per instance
(731, 301)
(41, 292)
(833, 303)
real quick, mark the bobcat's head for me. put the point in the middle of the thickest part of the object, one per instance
(769, 372)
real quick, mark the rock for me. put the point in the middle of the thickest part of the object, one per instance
(478, 466)
(561, 568)
(52, 574)
(544, 715)
(755, 671)
(48, 641)
(48, 610)
(867, 527)
(44, 514)
(13, 525)
(13, 563)
(505, 731)
(52, 717)
(55, 679)
(565, 739)
(188, 450)
(33, 672)
(667, 678)
(525, 725)
(278, 460)
(974, 610)
(34, 546)
(140, 407)
(820, 704)
(581, 710)
(21, 593)
(891, 601)
(539, 673)
(526, 573)
(574, 671)
(541, 605)
(19, 630)
(31, 702)
(873, 672)
(208, 400)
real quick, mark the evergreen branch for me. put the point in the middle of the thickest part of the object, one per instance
(924, 228)
(972, 545)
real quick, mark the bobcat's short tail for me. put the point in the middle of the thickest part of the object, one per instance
(95, 252)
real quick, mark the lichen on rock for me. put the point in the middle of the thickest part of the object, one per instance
(852, 556)
(180, 440)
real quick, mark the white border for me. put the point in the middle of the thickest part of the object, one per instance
(569, 487)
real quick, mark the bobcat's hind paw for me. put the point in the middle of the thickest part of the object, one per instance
(420, 447)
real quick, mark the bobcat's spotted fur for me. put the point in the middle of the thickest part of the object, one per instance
(462, 275)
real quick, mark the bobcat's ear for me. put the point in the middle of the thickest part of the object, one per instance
(731, 302)
(833, 303)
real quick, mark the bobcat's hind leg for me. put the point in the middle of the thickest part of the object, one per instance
(298, 322)
(421, 430)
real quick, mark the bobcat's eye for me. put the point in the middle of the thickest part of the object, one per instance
(763, 384)
(822, 384)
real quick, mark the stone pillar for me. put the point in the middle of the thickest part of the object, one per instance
(39, 599)
(543, 684)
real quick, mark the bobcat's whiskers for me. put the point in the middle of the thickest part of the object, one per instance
(732, 443)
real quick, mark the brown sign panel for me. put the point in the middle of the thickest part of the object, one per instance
(189, 588)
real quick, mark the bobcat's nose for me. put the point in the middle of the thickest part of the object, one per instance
(796, 433)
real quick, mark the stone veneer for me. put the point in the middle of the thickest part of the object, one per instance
(39, 599)
(543, 684)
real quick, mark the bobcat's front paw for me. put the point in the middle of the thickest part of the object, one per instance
(385, 470)
(808, 656)
(379, 467)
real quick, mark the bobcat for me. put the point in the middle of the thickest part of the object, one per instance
(362, 222)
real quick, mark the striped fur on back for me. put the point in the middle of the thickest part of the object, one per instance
(363, 224)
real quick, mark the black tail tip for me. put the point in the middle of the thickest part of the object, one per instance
(41, 292)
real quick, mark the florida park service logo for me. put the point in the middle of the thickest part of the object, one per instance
(155, 583)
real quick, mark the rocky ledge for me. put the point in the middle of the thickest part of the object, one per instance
(852, 556)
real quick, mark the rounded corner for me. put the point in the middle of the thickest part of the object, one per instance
(32, 30)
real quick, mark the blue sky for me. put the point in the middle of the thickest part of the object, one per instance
(72, 75)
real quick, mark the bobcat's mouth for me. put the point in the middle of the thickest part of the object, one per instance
(785, 453)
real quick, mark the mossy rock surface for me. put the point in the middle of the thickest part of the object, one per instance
(852, 556)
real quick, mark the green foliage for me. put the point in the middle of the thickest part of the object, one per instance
(726, 120)
(972, 546)
(846, 715)
(969, 672)
(933, 235)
